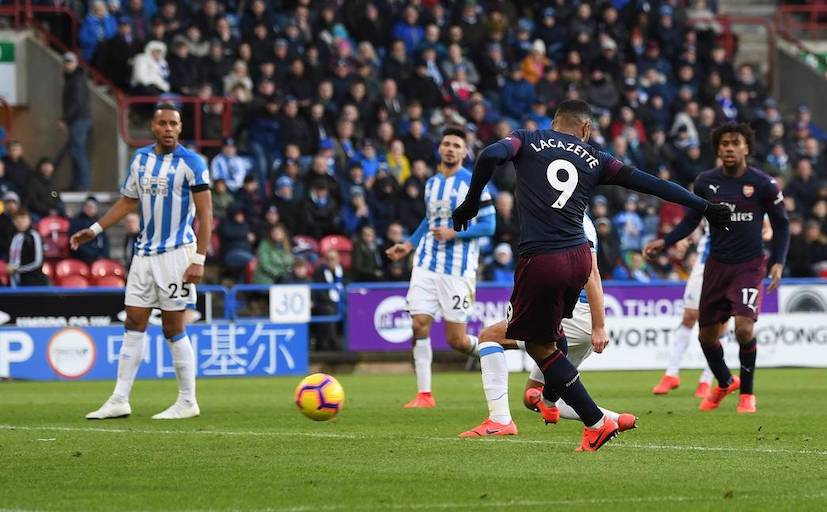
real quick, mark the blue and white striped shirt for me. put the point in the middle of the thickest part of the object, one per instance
(460, 256)
(163, 185)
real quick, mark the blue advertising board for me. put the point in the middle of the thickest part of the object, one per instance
(221, 349)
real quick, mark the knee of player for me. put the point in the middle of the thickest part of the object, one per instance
(456, 341)
(420, 326)
(743, 333)
(132, 324)
(489, 333)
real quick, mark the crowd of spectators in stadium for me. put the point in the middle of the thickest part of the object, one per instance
(337, 108)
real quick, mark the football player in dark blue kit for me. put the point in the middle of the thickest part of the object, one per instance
(557, 172)
(736, 266)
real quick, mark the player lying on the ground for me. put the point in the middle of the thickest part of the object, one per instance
(445, 263)
(735, 270)
(557, 173)
(583, 331)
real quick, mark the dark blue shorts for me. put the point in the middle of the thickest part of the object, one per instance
(546, 288)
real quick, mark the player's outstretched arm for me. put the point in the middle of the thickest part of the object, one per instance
(594, 294)
(493, 155)
(780, 238)
(203, 211)
(398, 251)
(119, 210)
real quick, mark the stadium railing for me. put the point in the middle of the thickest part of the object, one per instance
(808, 21)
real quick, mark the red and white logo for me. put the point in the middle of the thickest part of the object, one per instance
(71, 353)
(748, 190)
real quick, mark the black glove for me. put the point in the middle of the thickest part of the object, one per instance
(464, 213)
(718, 215)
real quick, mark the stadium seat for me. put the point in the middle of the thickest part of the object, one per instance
(54, 230)
(105, 267)
(70, 267)
(248, 272)
(110, 281)
(340, 244)
(4, 277)
(73, 281)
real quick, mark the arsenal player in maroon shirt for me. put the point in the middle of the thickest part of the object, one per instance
(736, 267)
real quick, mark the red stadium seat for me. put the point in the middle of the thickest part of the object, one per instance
(340, 244)
(4, 275)
(54, 230)
(111, 281)
(105, 267)
(73, 281)
(248, 272)
(71, 267)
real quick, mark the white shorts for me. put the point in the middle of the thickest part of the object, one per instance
(692, 292)
(578, 330)
(156, 281)
(432, 293)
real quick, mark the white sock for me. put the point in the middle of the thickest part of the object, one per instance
(495, 381)
(520, 344)
(183, 358)
(423, 356)
(475, 346)
(598, 424)
(566, 411)
(129, 359)
(706, 375)
(682, 335)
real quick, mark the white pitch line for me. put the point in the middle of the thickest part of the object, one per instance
(335, 435)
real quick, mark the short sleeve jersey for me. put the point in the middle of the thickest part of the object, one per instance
(749, 197)
(557, 174)
(163, 184)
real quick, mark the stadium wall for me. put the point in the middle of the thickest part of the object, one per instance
(797, 83)
(35, 121)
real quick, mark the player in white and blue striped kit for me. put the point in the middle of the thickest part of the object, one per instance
(169, 185)
(445, 262)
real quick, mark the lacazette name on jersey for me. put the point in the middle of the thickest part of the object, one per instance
(571, 147)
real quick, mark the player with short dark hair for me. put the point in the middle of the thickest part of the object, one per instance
(169, 185)
(443, 280)
(557, 172)
(736, 266)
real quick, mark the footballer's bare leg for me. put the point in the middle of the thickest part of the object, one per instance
(183, 359)
(129, 359)
(423, 357)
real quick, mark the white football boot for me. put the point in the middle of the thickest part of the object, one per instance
(180, 410)
(112, 408)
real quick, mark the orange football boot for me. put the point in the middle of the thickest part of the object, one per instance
(746, 404)
(534, 396)
(702, 390)
(491, 428)
(422, 400)
(626, 422)
(667, 383)
(717, 394)
(594, 438)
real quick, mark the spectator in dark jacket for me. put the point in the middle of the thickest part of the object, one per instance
(326, 302)
(43, 198)
(366, 258)
(320, 213)
(26, 253)
(184, 69)
(236, 240)
(77, 117)
(11, 203)
(18, 171)
(99, 247)
(517, 95)
(114, 56)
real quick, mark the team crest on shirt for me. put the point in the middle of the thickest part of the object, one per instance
(748, 190)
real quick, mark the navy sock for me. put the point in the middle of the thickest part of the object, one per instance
(563, 345)
(563, 379)
(715, 359)
(747, 355)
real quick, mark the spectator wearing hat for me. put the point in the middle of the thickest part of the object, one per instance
(517, 95)
(42, 198)
(229, 166)
(286, 201)
(97, 248)
(320, 213)
(551, 32)
(77, 119)
(237, 240)
(356, 212)
(96, 27)
(11, 203)
(113, 56)
(535, 62)
(501, 270)
(150, 70)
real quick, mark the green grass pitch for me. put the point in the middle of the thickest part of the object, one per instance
(251, 450)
